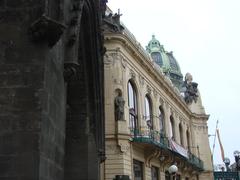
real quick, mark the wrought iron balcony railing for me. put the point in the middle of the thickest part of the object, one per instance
(150, 136)
(147, 135)
(195, 160)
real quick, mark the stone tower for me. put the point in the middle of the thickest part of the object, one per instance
(51, 90)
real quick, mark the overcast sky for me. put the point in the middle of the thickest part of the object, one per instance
(204, 37)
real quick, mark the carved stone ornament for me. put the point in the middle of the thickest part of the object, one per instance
(132, 74)
(108, 59)
(189, 89)
(47, 30)
(149, 89)
(111, 23)
(124, 146)
(124, 62)
(141, 80)
(70, 70)
(155, 93)
(161, 101)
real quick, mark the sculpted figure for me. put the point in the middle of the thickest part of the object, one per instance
(189, 89)
(119, 107)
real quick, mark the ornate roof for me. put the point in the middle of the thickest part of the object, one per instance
(165, 60)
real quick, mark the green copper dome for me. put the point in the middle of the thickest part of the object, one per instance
(165, 60)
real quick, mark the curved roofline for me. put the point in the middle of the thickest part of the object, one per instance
(128, 40)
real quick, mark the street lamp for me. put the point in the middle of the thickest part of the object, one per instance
(237, 157)
(172, 170)
(227, 163)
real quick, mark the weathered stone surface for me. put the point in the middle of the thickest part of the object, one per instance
(34, 144)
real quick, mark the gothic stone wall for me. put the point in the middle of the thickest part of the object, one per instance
(33, 93)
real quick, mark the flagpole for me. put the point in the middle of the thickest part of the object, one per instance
(214, 141)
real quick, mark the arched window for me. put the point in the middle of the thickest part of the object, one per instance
(132, 104)
(172, 129)
(181, 134)
(188, 140)
(161, 120)
(148, 112)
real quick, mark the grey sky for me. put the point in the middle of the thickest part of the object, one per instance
(204, 37)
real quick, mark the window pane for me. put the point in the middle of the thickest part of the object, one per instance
(154, 173)
(148, 113)
(161, 120)
(132, 106)
(147, 109)
(171, 127)
(181, 134)
(138, 170)
(130, 96)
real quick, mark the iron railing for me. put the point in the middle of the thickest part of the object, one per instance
(226, 175)
(195, 160)
(150, 136)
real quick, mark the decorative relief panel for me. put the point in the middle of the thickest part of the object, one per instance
(124, 147)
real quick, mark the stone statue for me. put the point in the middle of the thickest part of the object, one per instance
(119, 107)
(189, 89)
(112, 23)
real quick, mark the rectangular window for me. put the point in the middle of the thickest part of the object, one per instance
(138, 170)
(154, 173)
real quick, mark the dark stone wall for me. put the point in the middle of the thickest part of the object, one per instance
(52, 134)
(21, 83)
(38, 141)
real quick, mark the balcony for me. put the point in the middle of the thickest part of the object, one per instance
(149, 136)
(153, 137)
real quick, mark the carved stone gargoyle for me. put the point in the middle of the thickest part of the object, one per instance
(47, 30)
(112, 23)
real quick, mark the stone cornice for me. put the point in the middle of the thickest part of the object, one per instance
(200, 116)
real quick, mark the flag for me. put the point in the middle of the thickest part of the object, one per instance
(221, 146)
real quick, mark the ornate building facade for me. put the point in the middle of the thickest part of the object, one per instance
(51, 89)
(153, 118)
